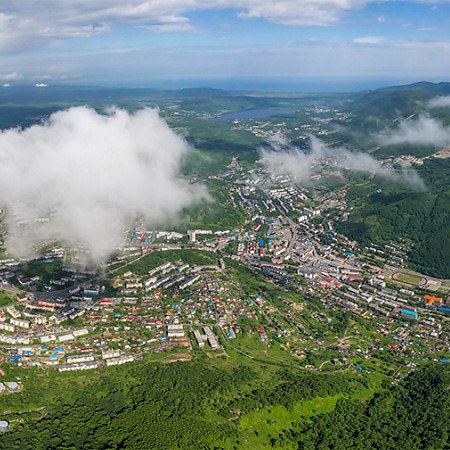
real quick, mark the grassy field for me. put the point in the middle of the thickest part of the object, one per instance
(7, 298)
(257, 428)
(408, 278)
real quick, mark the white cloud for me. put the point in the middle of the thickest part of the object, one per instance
(29, 24)
(55, 77)
(25, 24)
(13, 76)
(427, 29)
(439, 102)
(371, 40)
(284, 159)
(392, 61)
(88, 176)
(292, 12)
(424, 130)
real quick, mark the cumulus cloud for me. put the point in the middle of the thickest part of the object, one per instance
(439, 102)
(29, 24)
(82, 178)
(424, 130)
(292, 12)
(284, 159)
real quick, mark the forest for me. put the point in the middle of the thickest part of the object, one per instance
(187, 405)
(422, 219)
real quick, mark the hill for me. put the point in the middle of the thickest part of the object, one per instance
(422, 219)
(392, 102)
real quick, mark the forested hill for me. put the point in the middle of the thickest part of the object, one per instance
(197, 406)
(389, 103)
(412, 416)
(392, 213)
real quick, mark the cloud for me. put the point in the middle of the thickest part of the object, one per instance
(424, 130)
(439, 102)
(13, 76)
(427, 29)
(82, 178)
(284, 159)
(28, 24)
(295, 13)
(370, 40)
(55, 77)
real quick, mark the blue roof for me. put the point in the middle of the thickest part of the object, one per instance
(409, 312)
(14, 357)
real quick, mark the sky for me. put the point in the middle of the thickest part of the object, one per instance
(279, 44)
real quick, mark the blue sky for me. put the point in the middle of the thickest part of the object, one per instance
(290, 43)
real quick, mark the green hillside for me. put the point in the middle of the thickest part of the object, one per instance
(376, 111)
(423, 219)
(213, 405)
(390, 103)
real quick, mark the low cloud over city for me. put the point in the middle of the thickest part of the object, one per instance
(82, 177)
(281, 158)
(425, 130)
